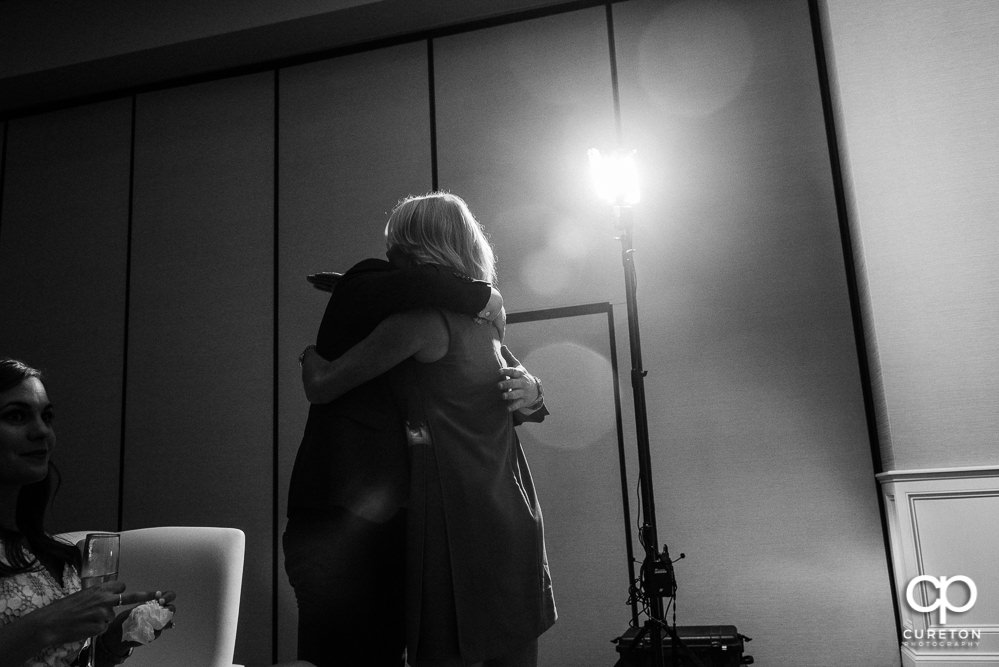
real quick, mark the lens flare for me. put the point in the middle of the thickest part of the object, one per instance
(579, 390)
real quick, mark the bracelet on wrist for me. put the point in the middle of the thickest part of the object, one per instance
(540, 400)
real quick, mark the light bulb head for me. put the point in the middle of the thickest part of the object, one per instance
(615, 177)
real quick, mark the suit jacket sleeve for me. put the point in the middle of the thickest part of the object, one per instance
(384, 293)
(536, 417)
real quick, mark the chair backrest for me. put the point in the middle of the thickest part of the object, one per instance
(204, 566)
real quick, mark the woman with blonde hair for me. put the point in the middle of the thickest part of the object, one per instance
(439, 229)
(478, 588)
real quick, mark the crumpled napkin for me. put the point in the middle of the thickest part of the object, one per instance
(143, 622)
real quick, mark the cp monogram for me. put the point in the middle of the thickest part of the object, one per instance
(941, 584)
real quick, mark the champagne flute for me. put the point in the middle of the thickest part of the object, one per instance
(100, 564)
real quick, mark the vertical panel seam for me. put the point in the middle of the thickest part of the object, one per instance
(432, 86)
(626, 505)
(622, 462)
(615, 88)
(853, 290)
(846, 238)
(127, 315)
(275, 476)
(3, 170)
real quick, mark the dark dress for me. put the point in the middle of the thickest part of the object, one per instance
(346, 528)
(478, 584)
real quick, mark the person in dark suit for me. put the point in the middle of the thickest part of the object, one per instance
(345, 535)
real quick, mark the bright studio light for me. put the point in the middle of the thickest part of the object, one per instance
(615, 176)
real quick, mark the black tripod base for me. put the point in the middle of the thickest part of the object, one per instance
(698, 646)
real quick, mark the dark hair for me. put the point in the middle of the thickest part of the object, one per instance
(32, 502)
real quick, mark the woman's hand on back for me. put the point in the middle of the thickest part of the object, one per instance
(519, 389)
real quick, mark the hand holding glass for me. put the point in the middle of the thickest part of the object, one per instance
(100, 565)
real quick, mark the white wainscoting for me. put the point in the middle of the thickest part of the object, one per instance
(945, 522)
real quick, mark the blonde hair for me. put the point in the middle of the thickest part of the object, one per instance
(438, 228)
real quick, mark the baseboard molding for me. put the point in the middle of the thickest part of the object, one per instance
(912, 659)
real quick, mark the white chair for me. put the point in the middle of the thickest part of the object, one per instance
(204, 566)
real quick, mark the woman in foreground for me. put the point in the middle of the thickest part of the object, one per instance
(45, 617)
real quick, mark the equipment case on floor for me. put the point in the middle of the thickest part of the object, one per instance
(710, 646)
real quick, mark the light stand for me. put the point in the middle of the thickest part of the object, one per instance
(616, 180)
(657, 580)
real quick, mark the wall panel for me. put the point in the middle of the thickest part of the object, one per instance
(764, 467)
(354, 138)
(63, 239)
(917, 86)
(517, 108)
(199, 424)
